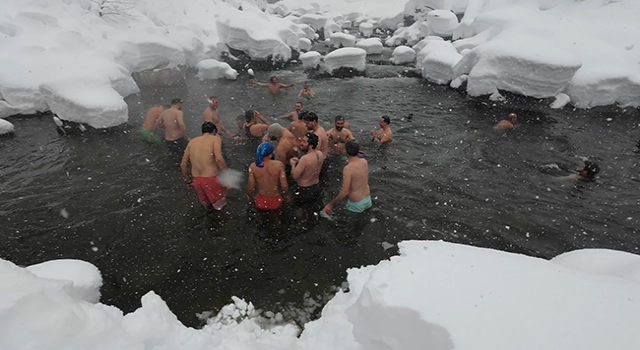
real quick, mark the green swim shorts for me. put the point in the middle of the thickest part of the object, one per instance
(146, 134)
(360, 206)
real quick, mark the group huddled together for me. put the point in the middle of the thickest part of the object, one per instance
(299, 157)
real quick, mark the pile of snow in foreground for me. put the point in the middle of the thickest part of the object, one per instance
(6, 127)
(435, 295)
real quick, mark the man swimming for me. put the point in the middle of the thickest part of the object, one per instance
(586, 172)
(204, 153)
(175, 131)
(286, 142)
(338, 136)
(384, 135)
(273, 85)
(306, 92)
(211, 115)
(294, 114)
(306, 171)
(355, 182)
(149, 125)
(508, 124)
(270, 177)
(253, 129)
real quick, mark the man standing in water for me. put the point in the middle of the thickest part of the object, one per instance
(273, 85)
(252, 129)
(306, 171)
(298, 128)
(204, 153)
(384, 135)
(355, 182)
(306, 92)
(286, 143)
(293, 114)
(338, 136)
(270, 177)
(211, 115)
(508, 124)
(149, 125)
(311, 121)
(175, 132)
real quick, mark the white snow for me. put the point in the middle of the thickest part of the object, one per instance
(340, 39)
(602, 262)
(348, 57)
(314, 21)
(310, 60)
(560, 101)
(373, 46)
(366, 29)
(6, 127)
(304, 44)
(85, 279)
(403, 54)
(442, 22)
(214, 69)
(439, 66)
(410, 35)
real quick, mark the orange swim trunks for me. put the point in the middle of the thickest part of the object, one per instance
(210, 192)
(268, 203)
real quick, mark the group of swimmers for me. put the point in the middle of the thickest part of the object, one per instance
(302, 154)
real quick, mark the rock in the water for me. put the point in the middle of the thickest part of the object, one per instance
(402, 55)
(310, 60)
(348, 57)
(373, 46)
(214, 69)
(6, 127)
(342, 40)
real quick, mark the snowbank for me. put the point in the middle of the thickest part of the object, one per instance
(410, 35)
(6, 127)
(442, 22)
(342, 40)
(310, 60)
(348, 57)
(373, 46)
(304, 44)
(402, 55)
(366, 29)
(85, 278)
(214, 69)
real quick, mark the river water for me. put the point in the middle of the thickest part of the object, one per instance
(112, 199)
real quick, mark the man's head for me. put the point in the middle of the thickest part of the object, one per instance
(209, 128)
(305, 85)
(513, 117)
(589, 169)
(310, 120)
(177, 102)
(240, 120)
(310, 140)
(213, 102)
(298, 106)
(339, 122)
(353, 148)
(273, 80)
(249, 115)
(264, 150)
(384, 121)
(275, 130)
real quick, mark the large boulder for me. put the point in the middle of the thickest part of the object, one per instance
(348, 57)
(373, 46)
(310, 60)
(403, 55)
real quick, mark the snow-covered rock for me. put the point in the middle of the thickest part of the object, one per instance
(310, 60)
(439, 66)
(560, 101)
(342, 40)
(366, 29)
(604, 85)
(422, 43)
(419, 9)
(316, 22)
(331, 27)
(309, 33)
(442, 22)
(214, 69)
(85, 278)
(149, 52)
(304, 44)
(6, 127)
(373, 46)
(430, 46)
(402, 55)
(410, 35)
(348, 57)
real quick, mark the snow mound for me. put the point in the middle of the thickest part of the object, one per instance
(348, 57)
(410, 35)
(402, 55)
(214, 69)
(439, 295)
(442, 22)
(366, 29)
(149, 52)
(85, 278)
(304, 44)
(560, 101)
(314, 21)
(439, 66)
(420, 9)
(602, 262)
(428, 46)
(86, 101)
(342, 40)
(373, 46)
(603, 86)
(310, 60)
(6, 127)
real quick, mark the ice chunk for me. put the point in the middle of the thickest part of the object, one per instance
(442, 22)
(231, 178)
(403, 54)
(419, 9)
(560, 101)
(410, 35)
(342, 40)
(366, 29)
(604, 85)
(310, 60)
(422, 43)
(348, 57)
(6, 127)
(457, 82)
(85, 278)
(214, 69)
(373, 46)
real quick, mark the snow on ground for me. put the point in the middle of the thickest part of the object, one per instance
(85, 278)
(348, 57)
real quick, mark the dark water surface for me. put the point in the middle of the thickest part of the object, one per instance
(448, 175)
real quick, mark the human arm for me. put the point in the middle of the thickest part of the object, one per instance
(286, 85)
(284, 187)
(263, 119)
(288, 115)
(182, 126)
(184, 168)
(296, 168)
(258, 83)
(217, 153)
(350, 135)
(251, 186)
(385, 137)
(346, 184)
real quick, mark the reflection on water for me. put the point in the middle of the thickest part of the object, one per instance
(447, 175)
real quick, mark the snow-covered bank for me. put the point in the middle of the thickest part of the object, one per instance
(435, 295)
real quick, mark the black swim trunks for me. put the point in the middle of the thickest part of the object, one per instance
(177, 147)
(306, 195)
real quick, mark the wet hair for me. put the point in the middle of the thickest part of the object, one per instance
(591, 168)
(353, 148)
(209, 128)
(313, 139)
(213, 97)
(175, 101)
(249, 115)
(309, 117)
(300, 103)
(272, 79)
(304, 112)
(386, 119)
(338, 118)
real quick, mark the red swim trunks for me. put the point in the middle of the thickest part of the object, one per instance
(210, 191)
(268, 203)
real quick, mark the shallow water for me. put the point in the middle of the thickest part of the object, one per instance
(447, 175)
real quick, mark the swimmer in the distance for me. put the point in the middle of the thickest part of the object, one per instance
(384, 135)
(306, 92)
(508, 124)
(273, 85)
(586, 172)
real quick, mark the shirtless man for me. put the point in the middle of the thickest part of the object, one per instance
(149, 125)
(311, 121)
(270, 177)
(211, 115)
(273, 85)
(298, 127)
(175, 132)
(338, 136)
(293, 114)
(204, 153)
(306, 92)
(384, 135)
(286, 142)
(508, 124)
(253, 129)
(355, 182)
(586, 172)
(306, 171)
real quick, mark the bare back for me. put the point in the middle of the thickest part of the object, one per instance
(152, 116)
(356, 173)
(298, 129)
(308, 169)
(286, 147)
(173, 123)
(271, 179)
(204, 153)
(323, 140)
